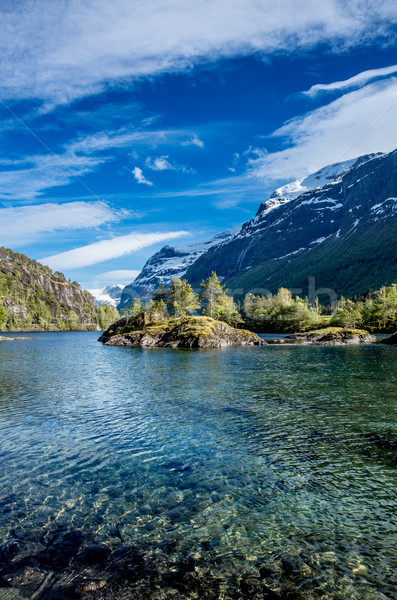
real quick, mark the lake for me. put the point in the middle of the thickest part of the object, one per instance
(260, 472)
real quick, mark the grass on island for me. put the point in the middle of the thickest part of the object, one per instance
(334, 331)
(197, 326)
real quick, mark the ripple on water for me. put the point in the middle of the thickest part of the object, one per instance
(235, 473)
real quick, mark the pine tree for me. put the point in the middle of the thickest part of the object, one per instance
(181, 299)
(217, 303)
(157, 310)
(212, 292)
(160, 294)
(133, 309)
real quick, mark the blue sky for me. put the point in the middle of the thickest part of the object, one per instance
(128, 125)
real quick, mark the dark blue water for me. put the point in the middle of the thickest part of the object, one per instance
(228, 473)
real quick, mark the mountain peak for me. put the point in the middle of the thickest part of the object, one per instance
(328, 175)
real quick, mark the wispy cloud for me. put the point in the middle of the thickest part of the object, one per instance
(140, 178)
(31, 175)
(107, 249)
(194, 141)
(356, 81)
(23, 224)
(97, 44)
(227, 192)
(118, 276)
(27, 178)
(360, 122)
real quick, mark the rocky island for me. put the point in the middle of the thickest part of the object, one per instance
(333, 336)
(183, 332)
(391, 341)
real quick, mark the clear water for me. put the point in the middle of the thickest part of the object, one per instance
(234, 473)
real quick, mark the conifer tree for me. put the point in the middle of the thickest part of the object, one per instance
(133, 309)
(181, 299)
(159, 294)
(157, 310)
(217, 303)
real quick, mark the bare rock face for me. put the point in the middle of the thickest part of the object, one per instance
(334, 336)
(187, 332)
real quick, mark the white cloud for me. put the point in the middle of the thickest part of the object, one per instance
(60, 54)
(161, 163)
(22, 224)
(356, 81)
(194, 141)
(119, 276)
(107, 249)
(360, 122)
(139, 176)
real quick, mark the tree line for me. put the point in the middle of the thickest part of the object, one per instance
(280, 312)
(180, 300)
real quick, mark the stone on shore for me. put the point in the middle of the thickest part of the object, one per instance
(392, 340)
(334, 336)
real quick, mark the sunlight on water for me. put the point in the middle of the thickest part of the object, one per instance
(235, 473)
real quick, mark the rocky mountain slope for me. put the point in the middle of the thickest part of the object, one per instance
(32, 296)
(338, 226)
(108, 296)
(167, 263)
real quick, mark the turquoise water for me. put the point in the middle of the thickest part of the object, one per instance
(229, 473)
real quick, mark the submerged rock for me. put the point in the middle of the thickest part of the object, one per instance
(186, 332)
(392, 340)
(334, 336)
(91, 586)
(3, 338)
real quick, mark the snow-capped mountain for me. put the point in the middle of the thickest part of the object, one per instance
(338, 225)
(167, 263)
(330, 174)
(109, 295)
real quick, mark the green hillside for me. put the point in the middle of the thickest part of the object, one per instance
(32, 296)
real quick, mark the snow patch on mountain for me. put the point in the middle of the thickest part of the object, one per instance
(169, 262)
(110, 295)
(331, 174)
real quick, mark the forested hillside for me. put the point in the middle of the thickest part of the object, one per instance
(33, 296)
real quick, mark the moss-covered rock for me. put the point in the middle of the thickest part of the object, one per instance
(187, 332)
(334, 336)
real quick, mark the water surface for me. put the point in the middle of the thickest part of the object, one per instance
(227, 473)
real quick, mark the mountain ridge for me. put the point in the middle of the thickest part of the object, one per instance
(314, 232)
(168, 262)
(319, 234)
